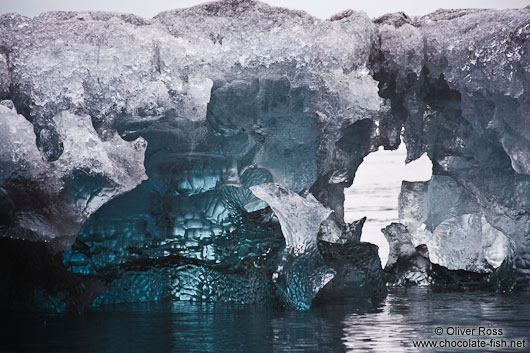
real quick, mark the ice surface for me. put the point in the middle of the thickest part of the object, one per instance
(302, 271)
(52, 200)
(357, 269)
(447, 218)
(300, 217)
(407, 263)
(410, 266)
(234, 94)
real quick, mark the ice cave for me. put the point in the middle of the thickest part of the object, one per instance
(203, 155)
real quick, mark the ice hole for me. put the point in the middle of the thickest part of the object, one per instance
(375, 192)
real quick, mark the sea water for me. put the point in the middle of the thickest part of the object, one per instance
(395, 324)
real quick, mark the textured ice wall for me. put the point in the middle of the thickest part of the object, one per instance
(446, 217)
(52, 200)
(461, 80)
(234, 94)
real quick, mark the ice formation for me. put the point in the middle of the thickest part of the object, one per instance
(139, 140)
(448, 223)
(302, 271)
(52, 200)
(406, 263)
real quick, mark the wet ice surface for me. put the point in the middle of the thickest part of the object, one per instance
(389, 326)
(375, 192)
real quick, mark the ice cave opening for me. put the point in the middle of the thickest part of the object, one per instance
(375, 192)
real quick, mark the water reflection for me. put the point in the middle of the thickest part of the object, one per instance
(341, 326)
(414, 314)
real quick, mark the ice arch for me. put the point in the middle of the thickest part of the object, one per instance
(375, 192)
(234, 94)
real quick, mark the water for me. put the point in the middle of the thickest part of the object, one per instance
(375, 192)
(341, 326)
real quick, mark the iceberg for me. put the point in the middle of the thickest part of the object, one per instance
(203, 154)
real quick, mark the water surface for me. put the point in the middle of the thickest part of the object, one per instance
(341, 326)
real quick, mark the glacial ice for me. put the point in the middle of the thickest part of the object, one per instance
(302, 271)
(410, 265)
(407, 264)
(452, 226)
(133, 146)
(300, 217)
(52, 200)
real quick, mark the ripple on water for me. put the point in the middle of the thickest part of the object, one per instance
(341, 326)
